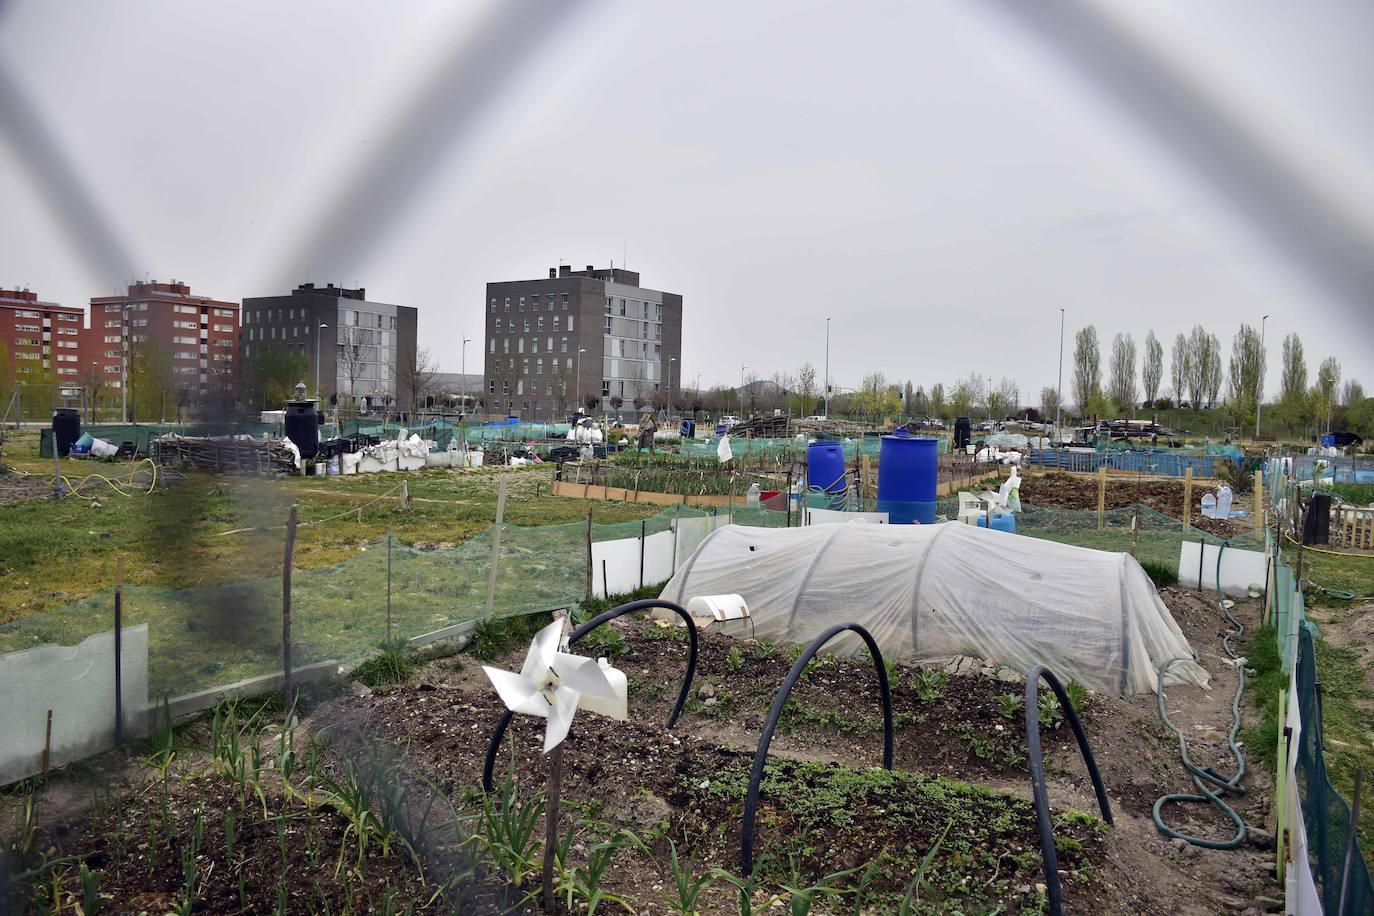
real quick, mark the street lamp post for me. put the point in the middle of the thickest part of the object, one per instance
(671, 360)
(742, 367)
(1059, 391)
(827, 368)
(124, 362)
(318, 397)
(577, 382)
(1259, 378)
(989, 400)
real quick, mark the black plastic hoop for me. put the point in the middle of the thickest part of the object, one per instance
(1037, 767)
(751, 798)
(504, 722)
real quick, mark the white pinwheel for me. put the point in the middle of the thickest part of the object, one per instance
(552, 684)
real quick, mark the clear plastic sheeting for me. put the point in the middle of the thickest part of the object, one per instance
(930, 592)
(76, 685)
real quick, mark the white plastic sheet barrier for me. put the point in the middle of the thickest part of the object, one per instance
(662, 554)
(1240, 569)
(1301, 896)
(836, 517)
(77, 684)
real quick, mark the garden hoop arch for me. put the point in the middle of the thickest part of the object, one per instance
(751, 797)
(503, 723)
(1053, 891)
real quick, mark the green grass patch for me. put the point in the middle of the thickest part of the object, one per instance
(1161, 574)
(390, 666)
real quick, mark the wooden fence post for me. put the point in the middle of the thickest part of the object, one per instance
(1101, 495)
(496, 546)
(1188, 500)
(1259, 500)
(286, 606)
(388, 588)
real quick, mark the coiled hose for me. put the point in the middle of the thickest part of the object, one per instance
(1203, 776)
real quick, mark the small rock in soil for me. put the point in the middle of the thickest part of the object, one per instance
(360, 689)
(706, 690)
(1261, 839)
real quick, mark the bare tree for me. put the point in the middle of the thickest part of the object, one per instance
(1213, 370)
(937, 400)
(1354, 393)
(1087, 367)
(415, 371)
(1121, 377)
(352, 358)
(1152, 368)
(1246, 373)
(1180, 367)
(1049, 402)
(92, 380)
(806, 393)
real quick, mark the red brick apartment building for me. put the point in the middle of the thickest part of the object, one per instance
(200, 334)
(40, 338)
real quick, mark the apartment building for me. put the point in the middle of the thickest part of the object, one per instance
(42, 339)
(199, 335)
(577, 337)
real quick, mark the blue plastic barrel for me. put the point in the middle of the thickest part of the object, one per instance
(825, 470)
(908, 469)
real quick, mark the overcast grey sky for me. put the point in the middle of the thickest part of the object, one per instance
(938, 177)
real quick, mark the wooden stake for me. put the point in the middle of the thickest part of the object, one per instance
(47, 746)
(1188, 498)
(119, 649)
(286, 606)
(1135, 529)
(551, 824)
(1101, 495)
(496, 547)
(1259, 501)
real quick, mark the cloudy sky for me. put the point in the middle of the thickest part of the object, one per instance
(939, 177)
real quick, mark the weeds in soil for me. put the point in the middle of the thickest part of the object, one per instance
(687, 886)
(763, 651)
(509, 831)
(929, 684)
(735, 659)
(605, 641)
(493, 638)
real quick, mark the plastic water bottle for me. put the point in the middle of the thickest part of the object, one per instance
(753, 495)
(1209, 505)
(1224, 498)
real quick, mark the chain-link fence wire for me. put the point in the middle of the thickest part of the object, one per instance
(1161, 462)
(1326, 815)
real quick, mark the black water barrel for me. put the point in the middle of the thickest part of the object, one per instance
(963, 432)
(1316, 526)
(66, 429)
(302, 427)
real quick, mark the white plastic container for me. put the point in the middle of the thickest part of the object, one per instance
(1209, 505)
(752, 497)
(1224, 498)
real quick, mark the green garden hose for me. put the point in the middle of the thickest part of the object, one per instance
(1204, 775)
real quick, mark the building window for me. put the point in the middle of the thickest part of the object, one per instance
(570, 324)
(520, 345)
(225, 328)
(491, 383)
(556, 320)
(505, 345)
(548, 345)
(605, 388)
(522, 303)
(112, 307)
(492, 310)
(498, 325)
(534, 345)
(527, 325)
(67, 330)
(569, 364)
(183, 340)
(539, 367)
(492, 348)
(185, 325)
(541, 323)
(520, 387)
(564, 297)
(622, 308)
(508, 303)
